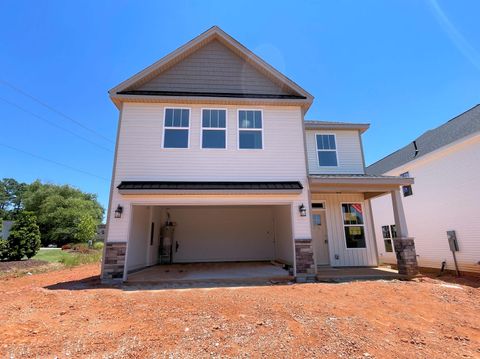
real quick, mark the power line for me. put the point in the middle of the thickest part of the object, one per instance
(54, 124)
(53, 161)
(15, 88)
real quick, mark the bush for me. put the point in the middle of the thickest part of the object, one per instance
(98, 245)
(3, 249)
(24, 238)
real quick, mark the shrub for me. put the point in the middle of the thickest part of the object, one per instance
(98, 245)
(24, 238)
(3, 249)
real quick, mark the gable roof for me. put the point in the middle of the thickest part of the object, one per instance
(330, 125)
(457, 128)
(158, 82)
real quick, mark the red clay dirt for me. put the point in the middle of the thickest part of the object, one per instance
(68, 313)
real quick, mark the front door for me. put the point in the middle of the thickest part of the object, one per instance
(320, 237)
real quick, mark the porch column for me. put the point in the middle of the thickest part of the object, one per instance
(114, 261)
(404, 245)
(305, 270)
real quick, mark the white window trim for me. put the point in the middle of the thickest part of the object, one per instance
(177, 128)
(213, 128)
(250, 129)
(354, 225)
(388, 239)
(317, 150)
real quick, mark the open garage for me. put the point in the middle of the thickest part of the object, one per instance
(161, 236)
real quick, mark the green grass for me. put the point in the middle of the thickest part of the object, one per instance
(75, 259)
(53, 255)
(69, 259)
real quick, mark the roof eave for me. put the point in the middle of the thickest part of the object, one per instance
(362, 127)
(118, 99)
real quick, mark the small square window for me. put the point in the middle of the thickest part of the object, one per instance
(407, 190)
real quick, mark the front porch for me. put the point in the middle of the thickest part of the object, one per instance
(343, 232)
(348, 274)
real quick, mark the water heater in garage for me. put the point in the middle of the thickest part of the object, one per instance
(166, 242)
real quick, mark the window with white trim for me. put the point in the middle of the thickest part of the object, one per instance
(176, 128)
(406, 190)
(387, 238)
(326, 150)
(353, 225)
(250, 129)
(214, 128)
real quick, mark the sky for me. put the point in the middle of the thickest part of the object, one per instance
(404, 66)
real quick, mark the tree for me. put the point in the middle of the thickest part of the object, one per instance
(11, 197)
(85, 229)
(60, 211)
(24, 238)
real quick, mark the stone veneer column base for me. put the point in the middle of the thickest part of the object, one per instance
(114, 261)
(305, 270)
(406, 256)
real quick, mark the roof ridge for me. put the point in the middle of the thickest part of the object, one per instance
(443, 125)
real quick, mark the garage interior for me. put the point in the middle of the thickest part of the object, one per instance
(210, 243)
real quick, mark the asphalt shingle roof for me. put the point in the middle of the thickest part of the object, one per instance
(457, 128)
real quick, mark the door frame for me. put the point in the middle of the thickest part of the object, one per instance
(324, 211)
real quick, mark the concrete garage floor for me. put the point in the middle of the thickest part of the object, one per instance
(211, 272)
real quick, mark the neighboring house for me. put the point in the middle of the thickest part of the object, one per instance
(213, 150)
(445, 163)
(101, 232)
(6, 228)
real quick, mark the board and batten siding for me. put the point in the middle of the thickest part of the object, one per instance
(347, 257)
(214, 68)
(445, 197)
(140, 157)
(349, 152)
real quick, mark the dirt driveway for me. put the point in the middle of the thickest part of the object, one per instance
(42, 317)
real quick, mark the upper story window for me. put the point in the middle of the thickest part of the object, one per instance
(327, 150)
(214, 128)
(176, 127)
(250, 129)
(407, 190)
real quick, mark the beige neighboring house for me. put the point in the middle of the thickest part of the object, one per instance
(445, 163)
(214, 162)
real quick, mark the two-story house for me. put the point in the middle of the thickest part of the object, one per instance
(215, 163)
(440, 207)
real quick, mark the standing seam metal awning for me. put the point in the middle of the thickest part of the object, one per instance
(148, 186)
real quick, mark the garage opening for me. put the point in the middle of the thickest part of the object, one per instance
(251, 241)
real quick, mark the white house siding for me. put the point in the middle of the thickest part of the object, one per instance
(445, 197)
(349, 153)
(336, 238)
(214, 68)
(140, 157)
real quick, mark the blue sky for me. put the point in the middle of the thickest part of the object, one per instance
(404, 66)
